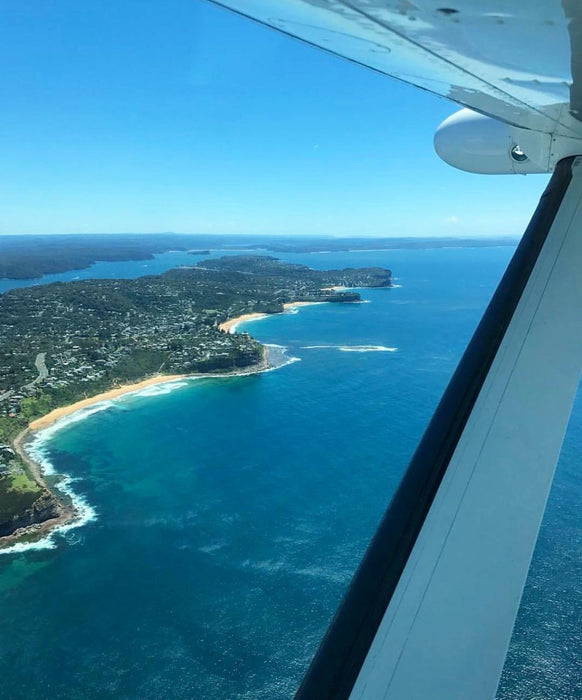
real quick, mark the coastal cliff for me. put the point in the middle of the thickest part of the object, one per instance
(20, 513)
(64, 343)
(28, 507)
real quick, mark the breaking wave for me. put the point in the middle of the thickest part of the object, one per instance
(85, 513)
(351, 348)
(159, 389)
(278, 357)
(37, 449)
(36, 444)
(366, 348)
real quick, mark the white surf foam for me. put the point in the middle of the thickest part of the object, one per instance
(19, 547)
(35, 446)
(37, 449)
(351, 348)
(290, 310)
(159, 389)
(234, 327)
(366, 348)
(214, 547)
(289, 361)
(280, 357)
(84, 514)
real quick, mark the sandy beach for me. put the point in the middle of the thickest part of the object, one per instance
(230, 325)
(58, 413)
(67, 512)
(294, 304)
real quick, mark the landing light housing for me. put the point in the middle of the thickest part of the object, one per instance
(478, 144)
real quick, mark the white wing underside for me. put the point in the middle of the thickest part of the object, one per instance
(512, 60)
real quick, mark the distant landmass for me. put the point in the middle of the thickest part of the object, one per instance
(299, 244)
(32, 256)
(64, 342)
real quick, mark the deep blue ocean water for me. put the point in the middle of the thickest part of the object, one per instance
(231, 513)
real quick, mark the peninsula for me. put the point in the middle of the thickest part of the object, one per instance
(68, 344)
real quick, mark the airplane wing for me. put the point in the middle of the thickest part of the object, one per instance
(508, 59)
(430, 611)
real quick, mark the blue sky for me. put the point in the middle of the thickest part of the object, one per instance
(175, 115)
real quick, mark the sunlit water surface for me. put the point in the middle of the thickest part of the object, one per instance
(231, 513)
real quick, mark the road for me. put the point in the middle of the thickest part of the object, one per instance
(40, 364)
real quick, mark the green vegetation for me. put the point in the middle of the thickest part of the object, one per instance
(66, 341)
(309, 244)
(310, 282)
(10, 427)
(26, 257)
(19, 491)
(17, 494)
(22, 483)
(63, 342)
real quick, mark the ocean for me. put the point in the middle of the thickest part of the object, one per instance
(225, 516)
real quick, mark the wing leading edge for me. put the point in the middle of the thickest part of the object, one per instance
(514, 61)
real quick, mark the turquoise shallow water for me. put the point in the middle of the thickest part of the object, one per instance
(231, 513)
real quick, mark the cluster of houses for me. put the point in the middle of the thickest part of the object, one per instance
(7, 454)
(83, 347)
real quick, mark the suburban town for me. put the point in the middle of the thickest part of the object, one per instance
(65, 342)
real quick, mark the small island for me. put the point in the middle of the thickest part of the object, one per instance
(66, 343)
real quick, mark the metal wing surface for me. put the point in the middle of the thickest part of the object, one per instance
(512, 60)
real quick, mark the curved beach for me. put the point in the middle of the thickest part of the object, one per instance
(231, 324)
(68, 513)
(58, 413)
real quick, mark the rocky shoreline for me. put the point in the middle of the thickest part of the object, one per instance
(52, 509)
(182, 321)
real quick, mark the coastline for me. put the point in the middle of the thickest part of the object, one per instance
(229, 326)
(68, 514)
(59, 413)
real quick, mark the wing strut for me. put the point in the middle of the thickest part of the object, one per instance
(431, 608)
